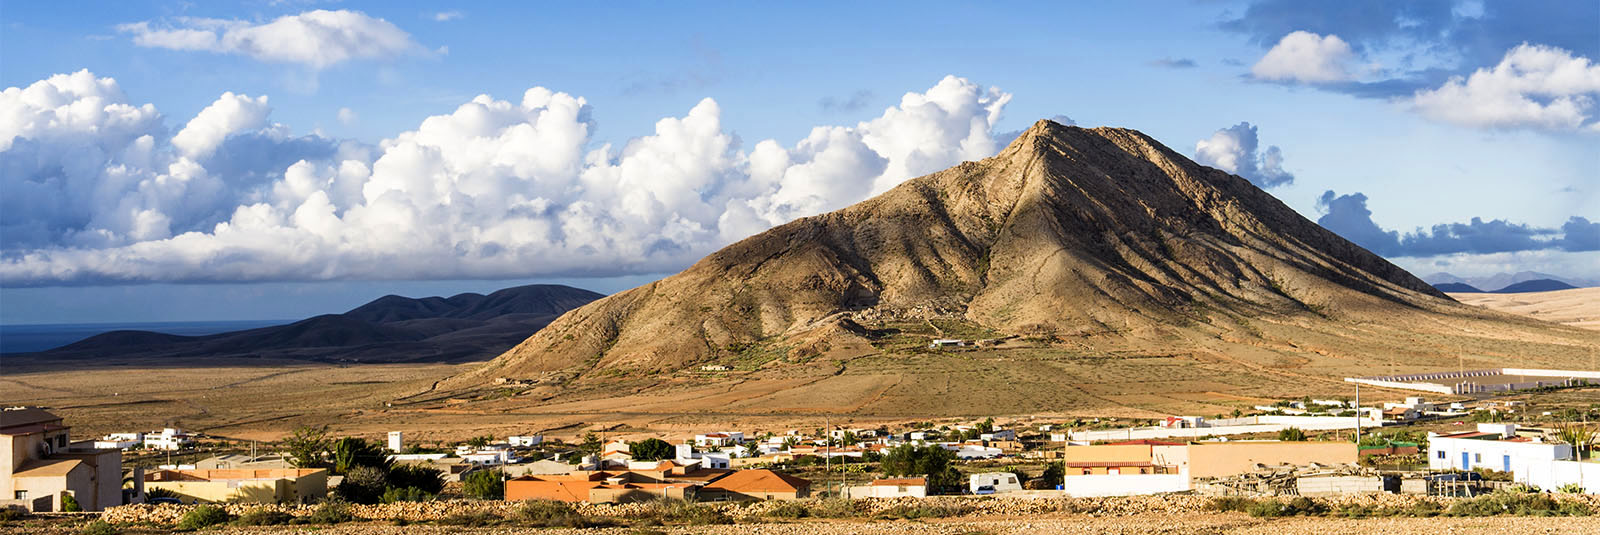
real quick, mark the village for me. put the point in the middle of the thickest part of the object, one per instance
(1292, 448)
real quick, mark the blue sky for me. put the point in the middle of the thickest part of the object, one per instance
(1355, 102)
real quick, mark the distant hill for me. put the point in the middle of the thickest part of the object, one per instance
(1456, 287)
(391, 328)
(1502, 280)
(1537, 285)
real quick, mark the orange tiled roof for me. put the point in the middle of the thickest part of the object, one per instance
(748, 481)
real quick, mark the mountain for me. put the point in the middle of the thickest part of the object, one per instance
(464, 327)
(1088, 269)
(1456, 287)
(1536, 285)
(1501, 280)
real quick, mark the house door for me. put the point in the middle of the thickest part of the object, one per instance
(1506, 462)
(1465, 461)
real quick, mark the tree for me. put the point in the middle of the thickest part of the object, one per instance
(932, 462)
(1054, 473)
(350, 452)
(306, 445)
(650, 449)
(363, 484)
(591, 444)
(1581, 438)
(987, 426)
(1292, 434)
(479, 442)
(752, 449)
(849, 438)
(429, 480)
(790, 442)
(485, 485)
(1237, 413)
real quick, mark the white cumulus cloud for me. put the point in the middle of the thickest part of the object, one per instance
(1306, 57)
(1235, 149)
(1533, 86)
(317, 39)
(494, 189)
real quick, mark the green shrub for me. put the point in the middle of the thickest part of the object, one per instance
(1295, 507)
(1518, 502)
(264, 517)
(676, 511)
(1230, 504)
(926, 510)
(202, 517)
(485, 485)
(430, 480)
(99, 527)
(1571, 488)
(363, 484)
(330, 512)
(472, 520)
(788, 510)
(408, 494)
(550, 514)
(70, 504)
(832, 508)
(8, 514)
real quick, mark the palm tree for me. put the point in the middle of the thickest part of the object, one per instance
(1580, 437)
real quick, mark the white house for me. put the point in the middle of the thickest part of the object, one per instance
(1489, 450)
(968, 451)
(119, 441)
(946, 342)
(993, 481)
(489, 457)
(724, 438)
(525, 441)
(911, 487)
(168, 439)
(999, 434)
(716, 461)
(397, 441)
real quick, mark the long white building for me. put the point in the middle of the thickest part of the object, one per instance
(1489, 448)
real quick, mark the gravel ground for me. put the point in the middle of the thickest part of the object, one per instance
(1229, 523)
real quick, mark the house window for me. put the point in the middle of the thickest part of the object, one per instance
(61, 441)
(22, 495)
(1441, 454)
(1477, 457)
(1086, 471)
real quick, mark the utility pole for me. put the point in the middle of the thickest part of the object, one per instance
(1358, 418)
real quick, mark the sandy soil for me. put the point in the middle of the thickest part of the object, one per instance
(1578, 307)
(1233, 523)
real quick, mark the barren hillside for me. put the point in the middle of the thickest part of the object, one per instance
(1578, 307)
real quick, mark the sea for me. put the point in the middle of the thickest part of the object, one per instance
(30, 338)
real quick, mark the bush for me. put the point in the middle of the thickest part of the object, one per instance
(202, 517)
(472, 520)
(363, 484)
(789, 510)
(926, 510)
(676, 511)
(485, 485)
(1519, 502)
(1295, 507)
(153, 493)
(99, 527)
(1230, 504)
(832, 508)
(330, 512)
(408, 494)
(264, 517)
(8, 514)
(550, 514)
(430, 480)
(70, 504)
(1571, 488)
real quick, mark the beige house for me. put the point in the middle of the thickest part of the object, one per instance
(243, 485)
(1222, 459)
(41, 465)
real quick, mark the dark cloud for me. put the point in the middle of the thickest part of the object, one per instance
(1173, 63)
(1348, 216)
(1436, 39)
(853, 103)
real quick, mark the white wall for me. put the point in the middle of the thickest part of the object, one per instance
(1125, 485)
(1445, 454)
(1552, 475)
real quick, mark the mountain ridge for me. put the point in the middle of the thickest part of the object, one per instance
(388, 329)
(1067, 232)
